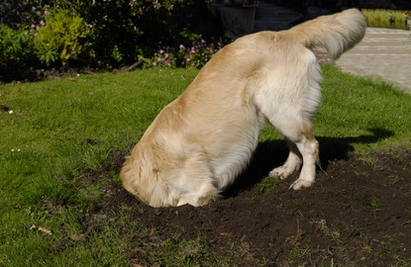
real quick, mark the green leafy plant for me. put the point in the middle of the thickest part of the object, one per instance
(16, 53)
(47, 54)
(116, 54)
(383, 18)
(15, 45)
(62, 37)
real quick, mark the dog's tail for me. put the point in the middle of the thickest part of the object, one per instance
(336, 33)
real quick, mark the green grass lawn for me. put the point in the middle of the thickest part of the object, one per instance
(51, 130)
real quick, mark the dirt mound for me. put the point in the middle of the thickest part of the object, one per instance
(358, 213)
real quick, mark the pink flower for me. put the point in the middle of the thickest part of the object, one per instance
(42, 22)
(33, 26)
(46, 13)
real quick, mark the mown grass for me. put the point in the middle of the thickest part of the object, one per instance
(59, 127)
(366, 111)
(56, 129)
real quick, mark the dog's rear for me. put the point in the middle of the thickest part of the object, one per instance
(201, 141)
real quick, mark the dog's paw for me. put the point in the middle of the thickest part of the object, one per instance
(300, 184)
(280, 172)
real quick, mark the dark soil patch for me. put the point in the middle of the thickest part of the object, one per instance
(358, 213)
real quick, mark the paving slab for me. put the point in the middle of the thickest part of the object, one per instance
(383, 53)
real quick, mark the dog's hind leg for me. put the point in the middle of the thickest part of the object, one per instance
(289, 99)
(304, 149)
(292, 164)
(294, 124)
(309, 149)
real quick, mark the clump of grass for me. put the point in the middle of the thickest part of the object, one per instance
(385, 18)
(269, 184)
(374, 204)
(323, 227)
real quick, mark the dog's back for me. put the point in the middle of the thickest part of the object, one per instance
(201, 141)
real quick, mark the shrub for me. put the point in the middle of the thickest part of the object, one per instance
(383, 18)
(126, 30)
(62, 37)
(199, 53)
(194, 56)
(15, 45)
(102, 33)
(16, 52)
(14, 13)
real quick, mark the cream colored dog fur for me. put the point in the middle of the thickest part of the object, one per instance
(204, 139)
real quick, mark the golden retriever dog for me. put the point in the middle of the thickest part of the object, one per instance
(205, 138)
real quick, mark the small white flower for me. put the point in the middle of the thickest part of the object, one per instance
(12, 150)
(11, 111)
(18, 149)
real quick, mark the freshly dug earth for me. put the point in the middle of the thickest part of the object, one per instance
(358, 213)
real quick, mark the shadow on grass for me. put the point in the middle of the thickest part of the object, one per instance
(271, 154)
